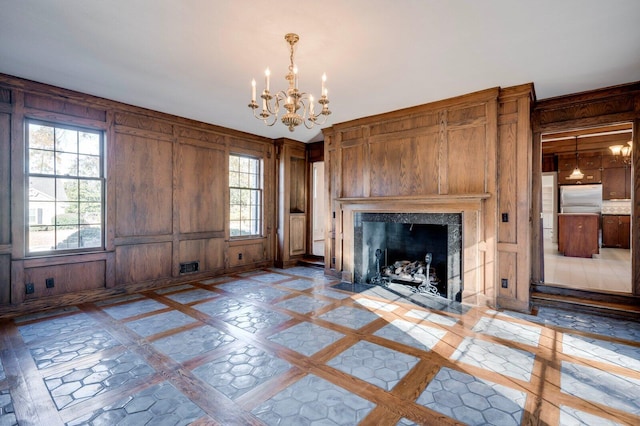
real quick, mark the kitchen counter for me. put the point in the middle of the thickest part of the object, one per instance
(578, 234)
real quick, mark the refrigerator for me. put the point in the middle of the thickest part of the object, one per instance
(581, 198)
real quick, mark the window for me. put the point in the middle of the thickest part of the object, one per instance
(245, 196)
(65, 205)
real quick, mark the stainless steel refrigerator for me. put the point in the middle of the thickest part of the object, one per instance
(581, 198)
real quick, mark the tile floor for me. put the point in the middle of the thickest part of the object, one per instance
(608, 271)
(292, 347)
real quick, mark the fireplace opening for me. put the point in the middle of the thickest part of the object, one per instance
(421, 250)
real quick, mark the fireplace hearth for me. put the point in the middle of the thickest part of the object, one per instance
(420, 250)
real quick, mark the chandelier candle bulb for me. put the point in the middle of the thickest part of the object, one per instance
(267, 73)
(324, 79)
(253, 90)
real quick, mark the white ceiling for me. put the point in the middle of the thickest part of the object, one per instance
(196, 58)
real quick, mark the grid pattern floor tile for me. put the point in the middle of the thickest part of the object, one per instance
(291, 346)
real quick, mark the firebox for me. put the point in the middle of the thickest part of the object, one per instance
(409, 248)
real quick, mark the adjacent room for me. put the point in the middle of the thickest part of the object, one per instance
(364, 212)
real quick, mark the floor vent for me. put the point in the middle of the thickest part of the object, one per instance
(188, 267)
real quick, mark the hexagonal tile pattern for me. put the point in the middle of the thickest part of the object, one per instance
(299, 284)
(520, 333)
(602, 387)
(376, 304)
(600, 350)
(331, 293)
(191, 343)
(161, 404)
(264, 294)
(269, 277)
(349, 317)
(68, 348)
(302, 304)
(494, 357)
(473, 401)
(216, 280)
(158, 323)
(306, 338)
(313, 400)
(302, 271)
(45, 314)
(254, 319)
(3, 375)
(135, 308)
(221, 306)
(432, 316)
(7, 414)
(241, 370)
(72, 386)
(55, 327)
(416, 335)
(185, 297)
(239, 286)
(570, 416)
(374, 364)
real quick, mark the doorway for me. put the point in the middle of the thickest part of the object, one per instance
(604, 264)
(317, 208)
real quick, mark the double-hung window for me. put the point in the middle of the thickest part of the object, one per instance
(65, 198)
(245, 196)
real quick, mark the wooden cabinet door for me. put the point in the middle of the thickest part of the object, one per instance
(624, 231)
(610, 231)
(613, 183)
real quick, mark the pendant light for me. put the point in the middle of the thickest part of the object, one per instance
(576, 173)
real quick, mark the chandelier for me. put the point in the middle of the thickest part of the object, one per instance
(298, 106)
(576, 173)
(622, 151)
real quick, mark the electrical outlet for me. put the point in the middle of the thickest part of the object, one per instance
(49, 283)
(29, 288)
(505, 283)
(505, 217)
(239, 256)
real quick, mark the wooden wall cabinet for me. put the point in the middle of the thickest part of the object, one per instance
(292, 202)
(616, 231)
(616, 183)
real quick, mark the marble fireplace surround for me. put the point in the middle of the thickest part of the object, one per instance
(474, 246)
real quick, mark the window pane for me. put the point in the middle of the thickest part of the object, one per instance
(89, 143)
(90, 190)
(90, 213)
(234, 180)
(67, 237)
(41, 238)
(66, 140)
(41, 213)
(90, 236)
(66, 164)
(67, 189)
(42, 189)
(40, 136)
(88, 165)
(40, 161)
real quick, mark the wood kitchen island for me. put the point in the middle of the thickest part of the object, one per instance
(578, 234)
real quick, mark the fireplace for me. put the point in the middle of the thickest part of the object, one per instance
(425, 247)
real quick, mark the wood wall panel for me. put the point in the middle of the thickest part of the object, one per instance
(466, 160)
(144, 185)
(5, 279)
(67, 278)
(407, 166)
(507, 269)
(200, 180)
(5, 176)
(143, 262)
(209, 252)
(5, 96)
(47, 103)
(352, 172)
(507, 179)
(246, 254)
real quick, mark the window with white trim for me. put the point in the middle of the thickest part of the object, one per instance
(65, 197)
(245, 196)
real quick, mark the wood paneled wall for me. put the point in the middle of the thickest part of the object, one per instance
(166, 198)
(441, 155)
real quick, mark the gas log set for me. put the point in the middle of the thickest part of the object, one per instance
(418, 274)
